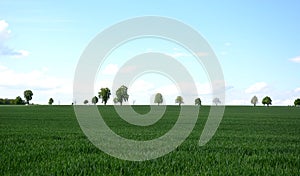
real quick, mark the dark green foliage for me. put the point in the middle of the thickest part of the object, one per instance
(28, 95)
(297, 102)
(50, 102)
(198, 101)
(7, 101)
(95, 100)
(104, 94)
(43, 140)
(19, 101)
(267, 101)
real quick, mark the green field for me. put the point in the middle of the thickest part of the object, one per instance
(47, 140)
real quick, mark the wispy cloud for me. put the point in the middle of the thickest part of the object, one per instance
(257, 87)
(295, 59)
(4, 36)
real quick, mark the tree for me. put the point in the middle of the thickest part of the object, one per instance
(198, 101)
(95, 100)
(86, 101)
(28, 95)
(121, 94)
(50, 101)
(267, 101)
(179, 100)
(115, 100)
(216, 101)
(19, 101)
(297, 102)
(158, 98)
(254, 100)
(104, 94)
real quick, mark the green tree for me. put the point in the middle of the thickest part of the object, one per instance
(158, 98)
(86, 101)
(254, 100)
(50, 102)
(179, 100)
(28, 95)
(198, 101)
(122, 95)
(297, 102)
(19, 101)
(267, 101)
(95, 100)
(104, 94)
(216, 101)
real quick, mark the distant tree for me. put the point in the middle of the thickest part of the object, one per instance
(254, 100)
(95, 100)
(12, 101)
(19, 101)
(86, 101)
(121, 94)
(115, 100)
(179, 100)
(28, 95)
(216, 101)
(158, 98)
(267, 101)
(198, 101)
(104, 94)
(297, 102)
(50, 101)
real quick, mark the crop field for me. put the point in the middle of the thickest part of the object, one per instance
(47, 140)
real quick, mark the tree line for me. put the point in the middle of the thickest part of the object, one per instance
(121, 96)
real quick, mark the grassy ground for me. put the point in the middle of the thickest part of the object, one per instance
(47, 140)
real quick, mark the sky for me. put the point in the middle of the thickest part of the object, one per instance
(256, 42)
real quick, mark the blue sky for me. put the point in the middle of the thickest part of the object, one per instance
(256, 42)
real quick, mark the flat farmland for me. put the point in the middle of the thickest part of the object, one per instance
(47, 140)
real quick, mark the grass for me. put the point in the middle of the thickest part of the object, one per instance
(47, 140)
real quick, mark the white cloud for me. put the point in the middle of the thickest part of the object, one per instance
(204, 88)
(4, 31)
(35, 79)
(141, 91)
(20, 53)
(257, 87)
(296, 59)
(297, 90)
(167, 90)
(140, 86)
(4, 50)
(110, 69)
